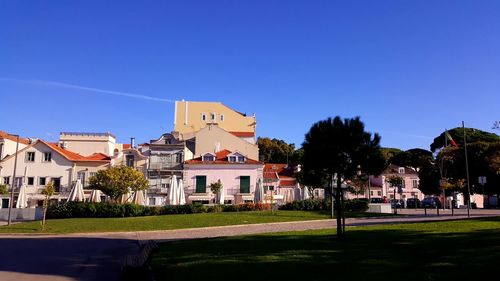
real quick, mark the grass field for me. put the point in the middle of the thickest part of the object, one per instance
(166, 222)
(456, 250)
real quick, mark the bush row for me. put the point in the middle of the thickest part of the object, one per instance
(111, 210)
(321, 205)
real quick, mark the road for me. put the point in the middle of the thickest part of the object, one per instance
(98, 256)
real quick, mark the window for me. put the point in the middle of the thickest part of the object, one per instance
(42, 181)
(401, 170)
(57, 183)
(241, 159)
(178, 158)
(129, 159)
(31, 180)
(208, 158)
(203, 117)
(232, 158)
(47, 156)
(18, 182)
(81, 176)
(244, 184)
(414, 183)
(201, 184)
(30, 156)
(212, 116)
(222, 117)
(6, 180)
(92, 174)
(379, 193)
(167, 141)
(152, 201)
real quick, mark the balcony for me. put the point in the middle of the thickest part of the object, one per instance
(158, 190)
(165, 166)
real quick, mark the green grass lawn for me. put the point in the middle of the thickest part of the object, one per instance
(455, 250)
(166, 222)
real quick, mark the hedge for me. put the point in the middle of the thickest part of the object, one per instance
(321, 205)
(111, 210)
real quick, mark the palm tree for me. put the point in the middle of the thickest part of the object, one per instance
(336, 150)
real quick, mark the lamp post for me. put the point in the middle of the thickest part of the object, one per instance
(467, 172)
(11, 201)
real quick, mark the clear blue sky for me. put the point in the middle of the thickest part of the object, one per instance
(410, 69)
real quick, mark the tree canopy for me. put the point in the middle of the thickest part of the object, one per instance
(277, 151)
(473, 135)
(338, 148)
(447, 171)
(118, 180)
(414, 158)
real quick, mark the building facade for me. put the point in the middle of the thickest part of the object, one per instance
(238, 174)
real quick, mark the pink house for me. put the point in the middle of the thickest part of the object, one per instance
(238, 174)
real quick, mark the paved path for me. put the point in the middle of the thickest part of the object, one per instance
(98, 256)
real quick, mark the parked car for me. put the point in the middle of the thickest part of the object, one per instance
(413, 203)
(431, 202)
(376, 200)
(395, 203)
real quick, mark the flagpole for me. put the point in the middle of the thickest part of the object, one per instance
(442, 167)
(467, 171)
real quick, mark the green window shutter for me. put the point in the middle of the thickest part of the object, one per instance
(201, 184)
(244, 184)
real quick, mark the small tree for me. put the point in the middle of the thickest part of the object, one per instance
(216, 187)
(48, 192)
(3, 189)
(116, 181)
(336, 149)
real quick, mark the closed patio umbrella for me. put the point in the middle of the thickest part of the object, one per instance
(22, 199)
(76, 193)
(259, 192)
(139, 198)
(182, 195)
(95, 196)
(173, 196)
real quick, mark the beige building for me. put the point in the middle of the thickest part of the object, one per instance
(89, 143)
(213, 138)
(191, 117)
(8, 144)
(41, 162)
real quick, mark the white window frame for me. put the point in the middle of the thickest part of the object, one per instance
(28, 153)
(401, 170)
(222, 117)
(203, 117)
(44, 159)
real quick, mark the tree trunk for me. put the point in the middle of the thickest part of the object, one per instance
(338, 205)
(331, 198)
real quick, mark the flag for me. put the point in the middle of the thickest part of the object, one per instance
(450, 139)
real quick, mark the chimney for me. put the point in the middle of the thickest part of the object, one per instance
(132, 142)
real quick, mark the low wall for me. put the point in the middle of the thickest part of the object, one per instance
(384, 208)
(27, 214)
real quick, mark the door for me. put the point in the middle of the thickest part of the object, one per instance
(244, 184)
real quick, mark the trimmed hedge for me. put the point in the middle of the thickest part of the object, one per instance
(322, 205)
(110, 210)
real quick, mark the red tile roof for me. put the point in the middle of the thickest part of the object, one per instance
(288, 182)
(281, 169)
(127, 146)
(271, 176)
(5, 135)
(73, 156)
(221, 158)
(243, 134)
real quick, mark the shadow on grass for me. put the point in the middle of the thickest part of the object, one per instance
(366, 254)
(71, 258)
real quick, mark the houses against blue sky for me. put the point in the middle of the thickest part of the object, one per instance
(410, 69)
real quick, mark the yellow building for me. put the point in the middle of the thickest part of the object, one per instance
(191, 117)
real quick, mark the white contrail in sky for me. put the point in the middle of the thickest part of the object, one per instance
(88, 89)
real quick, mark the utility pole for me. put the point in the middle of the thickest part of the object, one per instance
(467, 171)
(11, 201)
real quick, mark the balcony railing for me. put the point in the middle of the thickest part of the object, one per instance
(165, 166)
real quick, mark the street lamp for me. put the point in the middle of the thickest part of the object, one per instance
(11, 201)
